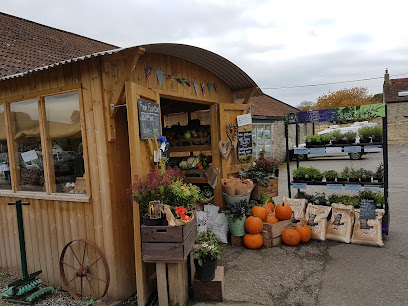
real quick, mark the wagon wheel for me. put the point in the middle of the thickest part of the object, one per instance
(82, 264)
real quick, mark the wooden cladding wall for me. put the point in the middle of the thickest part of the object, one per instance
(107, 219)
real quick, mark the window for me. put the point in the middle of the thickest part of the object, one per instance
(65, 143)
(47, 145)
(261, 139)
(5, 179)
(27, 145)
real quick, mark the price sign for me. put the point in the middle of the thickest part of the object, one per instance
(334, 186)
(367, 209)
(372, 149)
(301, 151)
(333, 150)
(352, 149)
(317, 150)
(352, 187)
(244, 119)
(149, 119)
(299, 185)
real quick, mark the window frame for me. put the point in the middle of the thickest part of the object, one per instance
(49, 175)
(255, 146)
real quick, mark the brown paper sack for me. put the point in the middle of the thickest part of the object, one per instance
(250, 186)
(341, 223)
(298, 210)
(240, 188)
(316, 217)
(367, 231)
(228, 186)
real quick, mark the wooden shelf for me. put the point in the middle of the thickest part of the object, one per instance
(189, 141)
(195, 171)
(192, 148)
(195, 180)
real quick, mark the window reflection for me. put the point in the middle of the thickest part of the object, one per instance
(64, 130)
(5, 179)
(27, 142)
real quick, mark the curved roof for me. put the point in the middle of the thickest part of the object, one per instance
(231, 74)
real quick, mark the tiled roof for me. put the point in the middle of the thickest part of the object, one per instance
(268, 106)
(26, 45)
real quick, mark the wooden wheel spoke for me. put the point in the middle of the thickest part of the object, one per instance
(83, 256)
(72, 280)
(87, 274)
(91, 286)
(81, 286)
(95, 262)
(76, 257)
(64, 263)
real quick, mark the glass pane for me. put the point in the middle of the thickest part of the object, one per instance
(267, 138)
(26, 134)
(254, 152)
(64, 130)
(5, 180)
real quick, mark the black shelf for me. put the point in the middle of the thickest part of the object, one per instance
(368, 144)
(374, 184)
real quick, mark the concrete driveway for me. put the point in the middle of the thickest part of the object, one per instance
(328, 273)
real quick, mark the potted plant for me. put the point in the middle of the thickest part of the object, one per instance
(337, 137)
(206, 250)
(309, 141)
(299, 175)
(341, 178)
(330, 176)
(154, 188)
(349, 137)
(314, 174)
(236, 213)
(365, 175)
(365, 134)
(377, 134)
(345, 174)
(354, 175)
(379, 173)
(326, 138)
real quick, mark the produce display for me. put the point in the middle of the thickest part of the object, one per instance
(188, 132)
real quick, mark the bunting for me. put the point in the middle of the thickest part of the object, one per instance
(160, 75)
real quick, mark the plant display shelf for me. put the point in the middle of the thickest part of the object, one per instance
(187, 145)
(338, 114)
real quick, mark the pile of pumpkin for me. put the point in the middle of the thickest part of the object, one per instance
(267, 213)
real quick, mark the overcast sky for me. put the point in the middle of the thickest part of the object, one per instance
(277, 43)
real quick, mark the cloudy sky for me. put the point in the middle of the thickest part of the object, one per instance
(281, 45)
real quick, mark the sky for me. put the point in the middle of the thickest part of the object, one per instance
(284, 46)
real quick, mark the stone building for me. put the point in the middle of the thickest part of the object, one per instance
(396, 97)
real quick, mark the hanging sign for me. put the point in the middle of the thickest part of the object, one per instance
(244, 119)
(338, 114)
(149, 119)
(244, 145)
(367, 209)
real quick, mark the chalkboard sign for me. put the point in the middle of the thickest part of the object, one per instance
(149, 119)
(367, 209)
(244, 146)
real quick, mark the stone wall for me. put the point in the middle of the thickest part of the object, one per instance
(397, 123)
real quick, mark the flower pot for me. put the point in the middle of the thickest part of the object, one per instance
(378, 179)
(330, 181)
(354, 180)
(237, 226)
(152, 222)
(341, 179)
(318, 179)
(365, 179)
(206, 272)
(231, 199)
(276, 172)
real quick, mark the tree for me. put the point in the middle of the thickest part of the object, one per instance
(306, 106)
(345, 97)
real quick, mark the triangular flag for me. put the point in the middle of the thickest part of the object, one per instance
(159, 75)
(180, 80)
(202, 87)
(196, 87)
(209, 88)
(170, 77)
(215, 86)
(148, 71)
(188, 83)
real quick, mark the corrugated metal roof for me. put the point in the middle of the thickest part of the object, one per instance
(231, 74)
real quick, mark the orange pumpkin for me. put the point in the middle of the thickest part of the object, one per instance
(291, 237)
(253, 241)
(304, 232)
(270, 207)
(260, 212)
(283, 211)
(253, 224)
(272, 219)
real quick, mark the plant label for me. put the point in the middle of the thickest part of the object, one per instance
(352, 187)
(333, 150)
(317, 150)
(352, 149)
(334, 186)
(299, 185)
(301, 151)
(372, 149)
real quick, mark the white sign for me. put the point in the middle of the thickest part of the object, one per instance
(333, 150)
(244, 119)
(29, 156)
(372, 149)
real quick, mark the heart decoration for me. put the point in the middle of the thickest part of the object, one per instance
(225, 148)
(232, 133)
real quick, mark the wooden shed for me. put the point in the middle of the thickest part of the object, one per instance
(70, 148)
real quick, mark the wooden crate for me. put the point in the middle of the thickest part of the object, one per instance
(271, 190)
(167, 243)
(271, 233)
(210, 291)
(237, 241)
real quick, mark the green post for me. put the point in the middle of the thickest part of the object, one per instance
(23, 255)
